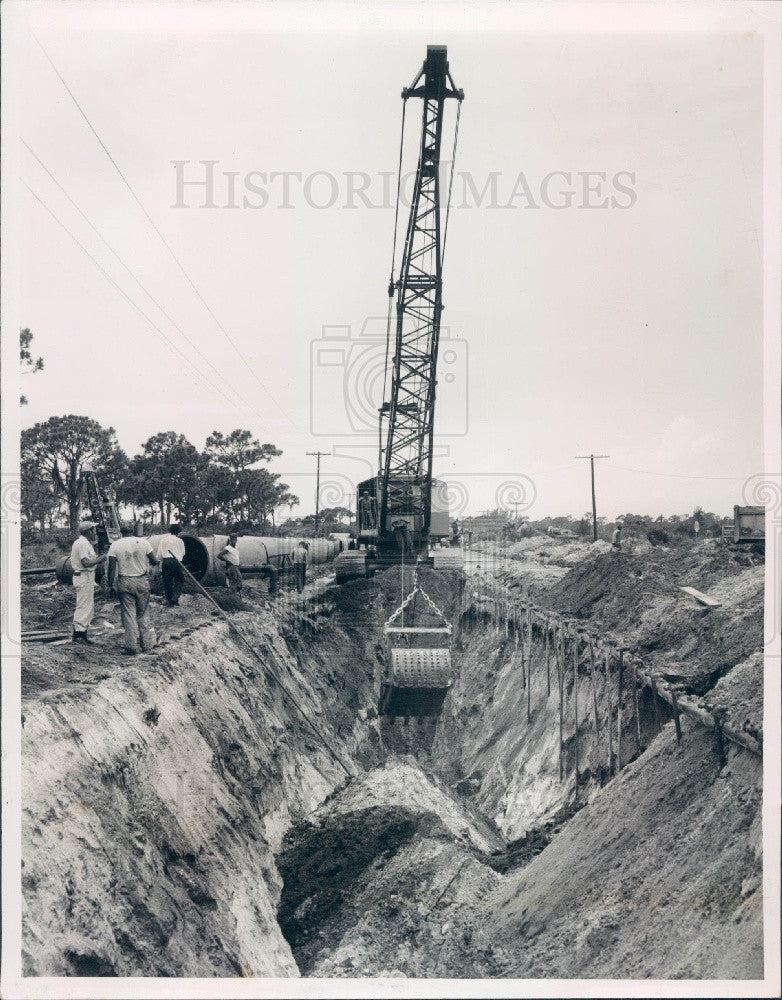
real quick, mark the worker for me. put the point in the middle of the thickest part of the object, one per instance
(404, 539)
(300, 557)
(83, 562)
(616, 538)
(171, 552)
(229, 557)
(129, 560)
(364, 511)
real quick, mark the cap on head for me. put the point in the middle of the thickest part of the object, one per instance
(86, 525)
(126, 527)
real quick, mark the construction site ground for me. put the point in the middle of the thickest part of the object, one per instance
(204, 811)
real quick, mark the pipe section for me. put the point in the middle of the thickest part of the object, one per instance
(254, 553)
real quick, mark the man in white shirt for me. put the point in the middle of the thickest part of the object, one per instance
(300, 565)
(171, 552)
(229, 557)
(129, 560)
(83, 562)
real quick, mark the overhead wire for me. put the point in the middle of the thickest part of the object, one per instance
(677, 475)
(149, 295)
(128, 299)
(165, 242)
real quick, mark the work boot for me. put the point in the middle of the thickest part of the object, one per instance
(130, 652)
(79, 637)
(86, 639)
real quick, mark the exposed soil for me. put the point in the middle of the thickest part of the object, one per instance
(197, 811)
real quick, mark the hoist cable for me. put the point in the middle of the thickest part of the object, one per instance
(393, 251)
(450, 182)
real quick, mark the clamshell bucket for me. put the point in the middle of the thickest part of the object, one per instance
(418, 675)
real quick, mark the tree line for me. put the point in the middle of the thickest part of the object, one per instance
(227, 484)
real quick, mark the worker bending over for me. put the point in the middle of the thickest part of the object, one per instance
(129, 561)
(300, 565)
(229, 557)
(83, 562)
(171, 552)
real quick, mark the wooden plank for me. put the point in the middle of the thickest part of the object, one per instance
(653, 686)
(417, 629)
(610, 714)
(548, 656)
(594, 690)
(619, 679)
(661, 689)
(720, 744)
(676, 720)
(529, 664)
(560, 668)
(575, 697)
(702, 598)
(689, 707)
(635, 705)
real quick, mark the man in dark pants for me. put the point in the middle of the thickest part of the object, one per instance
(300, 565)
(366, 511)
(171, 552)
(129, 561)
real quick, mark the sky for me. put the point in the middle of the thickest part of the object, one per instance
(633, 330)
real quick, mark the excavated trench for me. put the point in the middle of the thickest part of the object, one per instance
(207, 815)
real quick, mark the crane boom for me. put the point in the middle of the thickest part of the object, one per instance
(406, 460)
(395, 520)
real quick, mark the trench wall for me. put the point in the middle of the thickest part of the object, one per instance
(499, 739)
(155, 799)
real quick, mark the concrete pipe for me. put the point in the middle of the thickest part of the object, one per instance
(255, 553)
(196, 560)
(64, 571)
(196, 554)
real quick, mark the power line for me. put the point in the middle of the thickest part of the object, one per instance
(127, 298)
(679, 475)
(164, 241)
(133, 276)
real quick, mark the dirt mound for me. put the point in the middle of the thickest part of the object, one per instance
(659, 876)
(323, 868)
(637, 600)
(372, 882)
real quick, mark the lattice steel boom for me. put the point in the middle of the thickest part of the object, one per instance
(406, 456)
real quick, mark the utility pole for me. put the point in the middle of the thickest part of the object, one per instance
(594, 504)
(317, 485)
